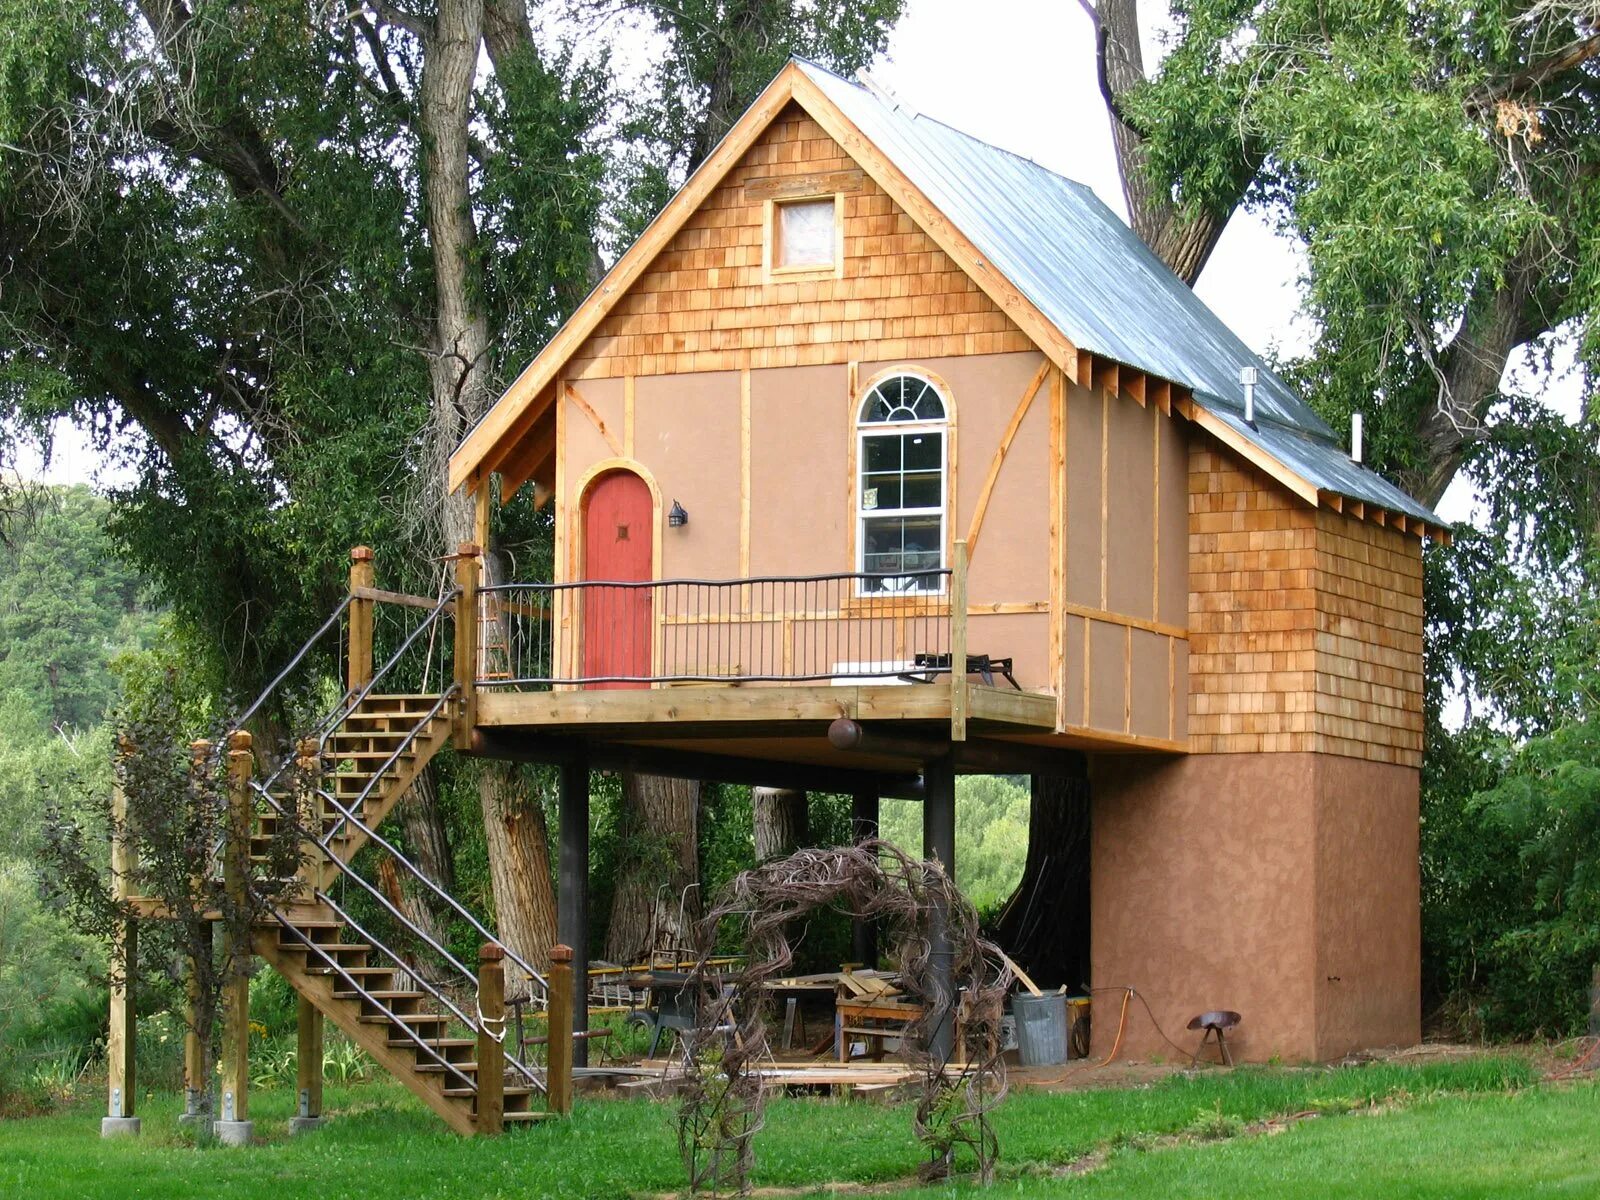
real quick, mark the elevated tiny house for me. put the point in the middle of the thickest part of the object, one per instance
(885, 454)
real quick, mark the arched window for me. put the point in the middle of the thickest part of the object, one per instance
(900, 490)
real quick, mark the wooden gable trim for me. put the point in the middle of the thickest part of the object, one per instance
(500, 419)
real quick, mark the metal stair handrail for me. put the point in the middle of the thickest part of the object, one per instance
(331, 962)
(299, 657)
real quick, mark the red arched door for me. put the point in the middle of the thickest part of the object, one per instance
(617, 517)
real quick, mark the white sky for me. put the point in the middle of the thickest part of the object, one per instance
(1021, 74)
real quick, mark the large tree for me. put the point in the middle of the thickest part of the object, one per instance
(279, 258)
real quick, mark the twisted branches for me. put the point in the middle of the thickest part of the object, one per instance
(928, 921)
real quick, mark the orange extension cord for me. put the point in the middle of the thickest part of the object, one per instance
(1128, 994)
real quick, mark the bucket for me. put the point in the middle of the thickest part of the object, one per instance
(1041, 1029)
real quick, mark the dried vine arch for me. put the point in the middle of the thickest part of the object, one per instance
(722, 1102)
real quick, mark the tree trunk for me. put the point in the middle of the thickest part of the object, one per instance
(781, 825)
(519, 869)
(1183, 242)
(1045, 925)
(658, 860)
(427, 840)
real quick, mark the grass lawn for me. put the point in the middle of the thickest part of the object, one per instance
(1461, 1129)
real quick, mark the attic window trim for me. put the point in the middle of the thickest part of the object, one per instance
(772, 271)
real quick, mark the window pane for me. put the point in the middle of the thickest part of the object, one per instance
(882, 454)
(805, 234)
(924, 451)
(929, 407)
(920, 491)
(894, 544)
(881, 491)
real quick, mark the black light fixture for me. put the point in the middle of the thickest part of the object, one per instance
(677, 517)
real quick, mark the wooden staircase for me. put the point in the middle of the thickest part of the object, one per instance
(423, 1038)
(381, 1010)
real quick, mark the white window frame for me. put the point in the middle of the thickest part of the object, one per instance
(867, 429)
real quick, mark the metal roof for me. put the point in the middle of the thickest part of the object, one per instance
(1103, 288)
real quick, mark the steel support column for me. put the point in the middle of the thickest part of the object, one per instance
(572, 900)
(939, 842)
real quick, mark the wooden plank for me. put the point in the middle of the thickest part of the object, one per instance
(529, 464)
(958, 644)
(1056, 651)
(975, 527)
(588, 411)
(1022, 976)
(627, 415)
(814, 183)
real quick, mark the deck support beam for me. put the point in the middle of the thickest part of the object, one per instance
(234, 1127)
(939, 842)
(122, 1030)
(864, 826)
(572, 900)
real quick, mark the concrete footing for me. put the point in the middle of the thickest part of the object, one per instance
(119, 1127)
(298, 1125)
(234, 1133)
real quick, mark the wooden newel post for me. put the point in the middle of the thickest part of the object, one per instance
(466, 653)
(558, 1077)
(491, 1038)
(234, 1126)
(958, 643)
(308, 812)
(123, 1027)
(360, 652)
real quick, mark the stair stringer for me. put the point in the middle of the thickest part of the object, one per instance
(373, 1039)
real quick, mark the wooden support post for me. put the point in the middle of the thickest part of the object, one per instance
(572, 900)
(123, 1028)
(234, 1127)
(491, 1038)
(361, 610)
(939, 842)
(958, 644)
(864, 825)
(466, 653)
(558, 1075)
(308, 1068)
(195, 1078)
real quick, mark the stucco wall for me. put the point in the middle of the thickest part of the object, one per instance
(1245, 881)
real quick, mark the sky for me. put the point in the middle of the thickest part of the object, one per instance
(1021, 74)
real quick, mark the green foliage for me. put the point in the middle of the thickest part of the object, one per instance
(991, 835)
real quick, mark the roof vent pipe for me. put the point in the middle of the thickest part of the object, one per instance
(1355, 437)
(1248, 376)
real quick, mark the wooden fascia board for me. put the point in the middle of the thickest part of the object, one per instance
(1039, 328)
(1252, 453)
(497, 422)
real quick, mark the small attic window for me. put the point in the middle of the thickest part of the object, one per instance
(804, 234)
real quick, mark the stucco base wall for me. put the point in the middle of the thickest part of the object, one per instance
(1284, 886)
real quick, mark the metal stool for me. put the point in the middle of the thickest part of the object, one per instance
(1218, 1023)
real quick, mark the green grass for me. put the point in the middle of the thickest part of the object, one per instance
(380, 1143)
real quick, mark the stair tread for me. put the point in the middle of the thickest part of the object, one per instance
(436, 1043)
(461, 1093)
(380, 994)
(408, 1019)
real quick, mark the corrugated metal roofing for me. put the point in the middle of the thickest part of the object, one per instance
(1091, 276)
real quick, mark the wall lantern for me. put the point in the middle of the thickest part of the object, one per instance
(677, 517)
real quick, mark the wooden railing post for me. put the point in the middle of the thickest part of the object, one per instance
(361, 611)
(308, 1067)
(958, 643)
(466, 654)
(234, 1128)
(123, 1028)
(491, 1038)
(558, 1075)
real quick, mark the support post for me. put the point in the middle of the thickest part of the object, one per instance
(572, 900)
(308, 814)
(234, 1127)
(958, 643)
(195, 1082)
(308, 1068)
(863, 826)
(123, 1029)
(558, 1074)
(491, 1039)
(359, 673)
(939, 842)
(466, 651)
